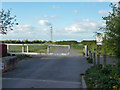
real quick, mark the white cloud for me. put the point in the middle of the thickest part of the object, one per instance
(75, 12)
(46, 16)
(27, 32)
(104, 12)
(84, 26)
(24, 28)
(55, 7)
(44, 22)
(52, 16)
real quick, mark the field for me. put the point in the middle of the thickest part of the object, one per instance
(32, 48)
(77, 46)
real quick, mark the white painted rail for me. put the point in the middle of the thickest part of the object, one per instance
(35, 53)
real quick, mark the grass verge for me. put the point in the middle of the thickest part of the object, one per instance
(20, 57)
(97, 77)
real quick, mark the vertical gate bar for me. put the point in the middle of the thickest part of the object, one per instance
(27, 48)
(48, 51)
(7, 48)
(23, 48)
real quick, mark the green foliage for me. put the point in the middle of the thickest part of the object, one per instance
(7, 54)
(90, 60)
(66, 42)
(77, 46)
(23, 56)
(24, 41)
(6, 21)
(106, 71)
(97, 77)
(112, 30)
(91, 42)
(40, 42)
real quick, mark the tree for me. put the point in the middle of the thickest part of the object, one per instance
(6, 21)
(112, 29)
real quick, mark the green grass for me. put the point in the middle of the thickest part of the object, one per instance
(77, 46)
(23, 56)
(31, 49)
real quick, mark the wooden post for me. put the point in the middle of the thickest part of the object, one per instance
(91, 55)
(27, 48)
(98, 60)
(68, 50)
(23, 48)
(94, 59)
(104, 60)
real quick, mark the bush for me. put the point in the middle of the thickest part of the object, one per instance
(96, 77)
(90, 60)
(106, 71)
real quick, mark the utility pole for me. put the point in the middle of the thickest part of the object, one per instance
(51, 28)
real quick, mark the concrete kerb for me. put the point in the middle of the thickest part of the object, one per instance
(9, 62)
(83, 83)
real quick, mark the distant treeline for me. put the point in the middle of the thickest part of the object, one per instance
(90, 42)
(84, 42)
(22, 41)
(39, 41)
(66, 42)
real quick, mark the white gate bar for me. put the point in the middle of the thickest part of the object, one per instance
(23, 48)
(48, 49)
(31, 53)
(27, 48)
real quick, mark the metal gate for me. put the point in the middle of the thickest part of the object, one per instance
(38, 49)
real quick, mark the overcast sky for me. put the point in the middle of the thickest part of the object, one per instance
(70, 20)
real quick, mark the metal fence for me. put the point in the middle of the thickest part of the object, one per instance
(38, 49)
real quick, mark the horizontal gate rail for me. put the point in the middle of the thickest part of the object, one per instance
(35, 53)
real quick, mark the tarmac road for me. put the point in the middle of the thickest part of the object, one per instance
(47, 72)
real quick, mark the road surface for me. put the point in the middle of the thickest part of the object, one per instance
(47, 72)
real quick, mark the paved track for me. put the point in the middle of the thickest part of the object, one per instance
(47, 72)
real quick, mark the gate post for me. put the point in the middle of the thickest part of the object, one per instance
(7, 48)
(69, 50)
(86, 51)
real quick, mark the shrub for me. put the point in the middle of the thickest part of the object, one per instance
(96, 77)
(90, 60)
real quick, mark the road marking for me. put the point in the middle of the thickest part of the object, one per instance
(42, 80)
